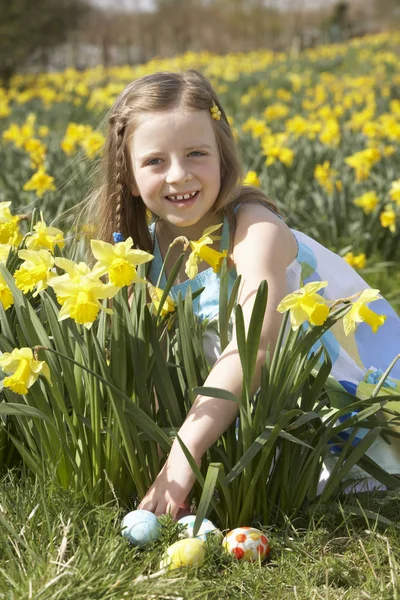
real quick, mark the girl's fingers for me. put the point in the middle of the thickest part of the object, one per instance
(147, 504)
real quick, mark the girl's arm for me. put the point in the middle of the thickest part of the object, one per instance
(263, 247)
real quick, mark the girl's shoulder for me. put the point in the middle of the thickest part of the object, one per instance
(262, 234)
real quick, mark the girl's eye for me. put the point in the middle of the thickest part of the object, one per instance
(153, 161)
(196, 153)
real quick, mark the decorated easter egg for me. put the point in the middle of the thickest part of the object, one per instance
(140, 527)
(184, 553)
(205, 528)
(246, 543)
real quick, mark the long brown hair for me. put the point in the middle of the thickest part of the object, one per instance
(112, 206)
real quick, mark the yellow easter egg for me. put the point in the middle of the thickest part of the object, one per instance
(189, 552)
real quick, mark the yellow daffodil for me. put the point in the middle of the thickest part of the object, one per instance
(358, 261)
(388, 218)
(276, 111)
(330, 135)
(368, 202)
(43, 131)
(35, 271)
(40, 182)
(394, 192)
(120, 261)
(79, 291)
(37, 152)
(13, 134)
(306, 305)
(325, 176)
(45, 238)
(201, 251)
(6, 297)
(360, 312)
(93, 143)
(9, 226)
(363, 161)
(23, 369)
(252, 179)
(256, 127)
(68, 145)
(156, 295)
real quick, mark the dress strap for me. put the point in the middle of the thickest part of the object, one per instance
(156, 263)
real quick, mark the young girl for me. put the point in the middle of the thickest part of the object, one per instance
(170, 151)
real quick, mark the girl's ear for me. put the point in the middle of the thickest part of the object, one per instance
(134, 189)
(132, 183)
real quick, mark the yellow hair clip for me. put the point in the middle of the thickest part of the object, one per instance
(215, 112)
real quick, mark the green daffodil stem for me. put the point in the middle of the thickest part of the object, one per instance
(345, 300)
(160, 437)
(179, 240)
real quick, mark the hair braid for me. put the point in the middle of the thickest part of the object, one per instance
(120, 224)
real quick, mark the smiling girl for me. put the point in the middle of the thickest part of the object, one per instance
(170, 152)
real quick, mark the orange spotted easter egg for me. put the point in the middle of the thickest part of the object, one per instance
(246, 543)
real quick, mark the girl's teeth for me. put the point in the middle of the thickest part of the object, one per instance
(184, 197)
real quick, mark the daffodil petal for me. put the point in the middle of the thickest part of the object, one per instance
(102, 251)
(191, 268)
(288, 302)
(210, 230)
(369, 295)
(314, 286)
(139, 257)
(297, 317)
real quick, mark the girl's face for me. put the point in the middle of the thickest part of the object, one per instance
(176, 166)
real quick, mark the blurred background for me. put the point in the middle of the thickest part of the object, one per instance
(51, 35)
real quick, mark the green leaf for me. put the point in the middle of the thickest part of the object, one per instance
(348, 458)
(22, 410)
(207, 494)
(199, 475)
(255, 328)
(223, 317)
(216, 393)
(242, 346)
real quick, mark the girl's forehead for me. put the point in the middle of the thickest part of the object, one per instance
(173, 125)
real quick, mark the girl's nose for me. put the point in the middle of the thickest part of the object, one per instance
(176, 172)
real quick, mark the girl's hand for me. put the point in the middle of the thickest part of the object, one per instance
(170, 490)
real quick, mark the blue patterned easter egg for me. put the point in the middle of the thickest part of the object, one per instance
(140, 527)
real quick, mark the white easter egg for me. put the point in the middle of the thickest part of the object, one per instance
(140, 527)
(206, 528)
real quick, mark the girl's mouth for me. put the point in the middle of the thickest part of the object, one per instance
(183, 199)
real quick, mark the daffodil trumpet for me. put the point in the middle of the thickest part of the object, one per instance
(200, 251)
(22, 369)
(162, 302)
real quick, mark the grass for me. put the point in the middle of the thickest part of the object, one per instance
(57, 546)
